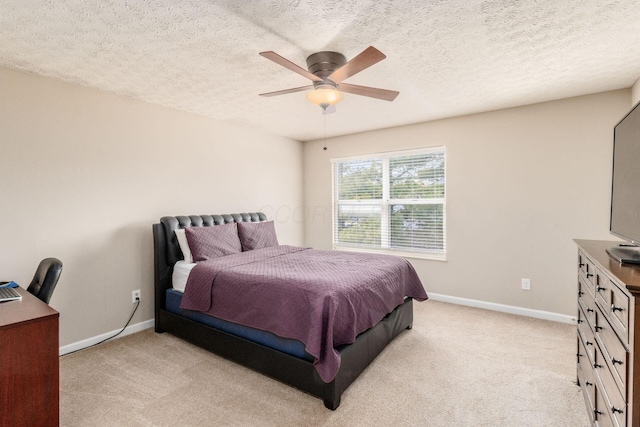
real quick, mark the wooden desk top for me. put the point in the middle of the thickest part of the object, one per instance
(28, 309)
(629, 274)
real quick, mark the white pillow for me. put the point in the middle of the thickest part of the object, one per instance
(180, 275)
(184, 245)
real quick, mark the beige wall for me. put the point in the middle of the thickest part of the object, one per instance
(521, 184)
(85, 173)
(635, 93)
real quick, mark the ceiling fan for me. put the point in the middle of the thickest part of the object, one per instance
(327, 70)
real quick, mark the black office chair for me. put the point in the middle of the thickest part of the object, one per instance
(45, 279)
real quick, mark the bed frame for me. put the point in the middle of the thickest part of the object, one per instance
(291, 370)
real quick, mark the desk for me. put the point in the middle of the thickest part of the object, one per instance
(29, 364)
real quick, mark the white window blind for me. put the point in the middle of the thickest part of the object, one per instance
(391, 202)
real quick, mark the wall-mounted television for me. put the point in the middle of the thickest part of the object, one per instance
(625, 188)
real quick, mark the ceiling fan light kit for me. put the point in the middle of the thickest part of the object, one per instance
(327, 70)
(324, 96)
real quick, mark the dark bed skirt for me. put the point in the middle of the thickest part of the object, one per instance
(293, 347)
(291, 370)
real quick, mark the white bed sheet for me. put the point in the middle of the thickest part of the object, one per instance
(181, 272)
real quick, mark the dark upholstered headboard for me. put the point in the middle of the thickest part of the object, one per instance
(166, 250)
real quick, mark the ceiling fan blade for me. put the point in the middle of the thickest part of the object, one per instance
(365, 59)
(372, 92)
(284, 92)
(290, 65)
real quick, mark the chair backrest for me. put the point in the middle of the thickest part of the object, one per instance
(45, 279)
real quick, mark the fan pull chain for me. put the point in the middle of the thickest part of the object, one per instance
(325, 128)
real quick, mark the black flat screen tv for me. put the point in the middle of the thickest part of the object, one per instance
(625, 188)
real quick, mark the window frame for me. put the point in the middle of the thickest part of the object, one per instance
(385, 202)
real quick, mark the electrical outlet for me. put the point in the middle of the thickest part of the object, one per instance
(135, 296)
(526, 284)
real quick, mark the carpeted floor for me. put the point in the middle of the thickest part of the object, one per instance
(458, 366)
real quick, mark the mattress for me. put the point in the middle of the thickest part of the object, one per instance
(268, 339)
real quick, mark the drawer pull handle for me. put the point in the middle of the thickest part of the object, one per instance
(580, 321)
(580, 293)
(595, 411)
(589, 310)
(614, 410)
(587, 383)
(599, 328)
(589, 275)
(600, 288)
(589, 343)
(596, 366)
(581, 264)
(614, 308)
(616, 361)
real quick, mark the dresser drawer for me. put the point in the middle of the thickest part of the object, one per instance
(586, 334)
(613, 351)
(602, 417)
(587, 268)
(588, 389)
(587, 302)
(614, 302)
(608, 397)
(586, 376)
(602, 287)
(619, 309)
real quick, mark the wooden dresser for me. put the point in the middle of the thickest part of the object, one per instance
(29, 364)
(608, 335)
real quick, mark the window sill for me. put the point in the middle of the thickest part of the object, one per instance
(403, 254)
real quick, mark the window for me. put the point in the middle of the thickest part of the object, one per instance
(391, 202)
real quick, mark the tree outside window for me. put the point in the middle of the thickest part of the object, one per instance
(391, 202)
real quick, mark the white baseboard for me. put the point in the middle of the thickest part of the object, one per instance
(94, 340)
(538, 314)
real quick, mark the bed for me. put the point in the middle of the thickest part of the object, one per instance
(279, 356)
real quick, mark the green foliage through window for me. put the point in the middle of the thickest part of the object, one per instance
(394, 201)
(417, 177)
(359, 224)
(360, 180)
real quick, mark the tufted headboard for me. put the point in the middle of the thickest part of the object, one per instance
(166, 250)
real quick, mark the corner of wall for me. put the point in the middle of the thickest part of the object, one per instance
(635, 92)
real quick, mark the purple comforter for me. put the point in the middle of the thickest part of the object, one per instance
(321, 298)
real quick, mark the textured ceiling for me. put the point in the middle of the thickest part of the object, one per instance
(446, 57)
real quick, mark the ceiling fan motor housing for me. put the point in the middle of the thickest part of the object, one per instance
(323, 64)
